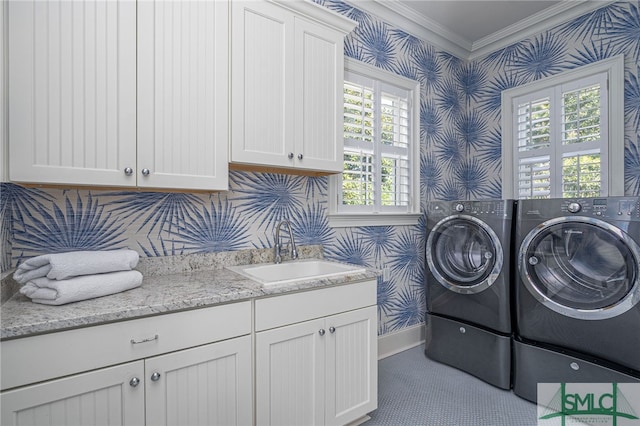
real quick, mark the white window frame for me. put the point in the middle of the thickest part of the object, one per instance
(337, 216)
(613, 184)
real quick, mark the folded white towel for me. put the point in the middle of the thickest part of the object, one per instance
(59, 266)
(58, 292)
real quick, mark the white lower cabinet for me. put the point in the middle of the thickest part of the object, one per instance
(207, 385)
(351, 373)
(322, 371)
(97, 397)
(186, 368)
(315, 364)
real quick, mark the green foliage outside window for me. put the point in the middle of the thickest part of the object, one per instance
(359, 168)
(582, 115)
(581, 176)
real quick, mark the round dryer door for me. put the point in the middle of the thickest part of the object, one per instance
(464, 254)
(581, 267)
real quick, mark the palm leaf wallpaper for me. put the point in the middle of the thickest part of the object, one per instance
(460, 159)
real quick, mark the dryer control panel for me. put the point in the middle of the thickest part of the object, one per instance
(498, 208)
(617, 208)
(484, 208)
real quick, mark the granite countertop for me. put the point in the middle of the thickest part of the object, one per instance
(170, 284)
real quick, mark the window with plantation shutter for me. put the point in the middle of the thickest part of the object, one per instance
(561, 137)
(381, 156)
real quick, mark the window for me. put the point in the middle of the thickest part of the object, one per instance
(380, 181)
(563, 136)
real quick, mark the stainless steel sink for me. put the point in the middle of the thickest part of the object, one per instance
(297, 270)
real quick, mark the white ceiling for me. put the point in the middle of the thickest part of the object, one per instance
(472, 28)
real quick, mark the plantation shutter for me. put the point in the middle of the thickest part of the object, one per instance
(584, 130)
(358, 175)
(561, 135)
(394, 147)
(533, 153)
(376, 175)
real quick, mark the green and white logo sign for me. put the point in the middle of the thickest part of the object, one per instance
(615, 404)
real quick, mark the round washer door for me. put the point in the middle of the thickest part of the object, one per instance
(464, 254)
(581, 267)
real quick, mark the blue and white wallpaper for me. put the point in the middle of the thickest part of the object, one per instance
(460, 159)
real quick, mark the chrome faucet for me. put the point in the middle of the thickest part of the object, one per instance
(278, 245)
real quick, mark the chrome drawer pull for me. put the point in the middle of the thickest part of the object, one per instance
(148, 339)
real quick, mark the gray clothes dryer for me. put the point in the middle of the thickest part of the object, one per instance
(578, 289)
(468, 257)
(468, 287)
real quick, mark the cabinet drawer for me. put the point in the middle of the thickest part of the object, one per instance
(291, 308)
(37, 358)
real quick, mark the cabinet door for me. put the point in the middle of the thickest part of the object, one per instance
(262, 64)
(95, 398)
(72, 91)
(206, 385)
(319, 78)
(290, 375)
(183, 93)
(352, 366)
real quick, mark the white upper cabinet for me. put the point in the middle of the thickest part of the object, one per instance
(183, 98)
(72, 91)
(287, 65)
(119, 93)
(261, 83)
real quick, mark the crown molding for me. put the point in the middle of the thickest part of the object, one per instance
(401, 16)
(534, 24)
(406, 19)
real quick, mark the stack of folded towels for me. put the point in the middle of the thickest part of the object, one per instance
(56, 279)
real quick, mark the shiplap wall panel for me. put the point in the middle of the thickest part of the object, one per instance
(71, 91)
(183, 94)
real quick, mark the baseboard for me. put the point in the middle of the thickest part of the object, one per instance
(360, 421)
(407, 338)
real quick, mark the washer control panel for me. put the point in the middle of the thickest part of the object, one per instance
(619, 208)
(474, 208)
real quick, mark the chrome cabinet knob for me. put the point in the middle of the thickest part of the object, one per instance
(299, 156)
(128, 171)
(290, 155)
(146, 172)
(321, 332)
(332, 329)
(155, 376)
(134, 382)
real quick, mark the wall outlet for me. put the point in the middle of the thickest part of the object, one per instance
(386, 274)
